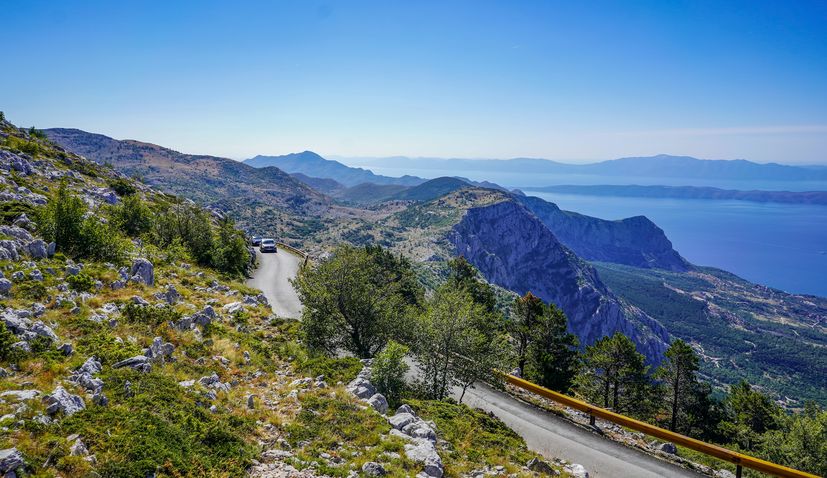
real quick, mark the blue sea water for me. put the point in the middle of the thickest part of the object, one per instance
(778, 245)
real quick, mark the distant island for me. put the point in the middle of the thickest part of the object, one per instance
(689, 192)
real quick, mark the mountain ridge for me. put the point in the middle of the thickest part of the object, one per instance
(662, 165)
(314, 165)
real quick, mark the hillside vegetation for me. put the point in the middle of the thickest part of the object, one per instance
(741, 330)
(130, 348)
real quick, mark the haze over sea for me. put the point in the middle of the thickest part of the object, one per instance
(778, 245)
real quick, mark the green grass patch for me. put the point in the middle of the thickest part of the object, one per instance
(160, 428)
(476, 437)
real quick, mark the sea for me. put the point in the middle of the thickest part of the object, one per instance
(783, 246)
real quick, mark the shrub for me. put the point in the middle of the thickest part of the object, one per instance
(11, 210)
(389, 370)
(36, 133)
(81, 282)
(148, 315)
(33, 290)
(190, 226)
(123, 187)
(339, 369)
(231, 255)
(132, 216)
(7, 352)
(64, 221)
(21, 145)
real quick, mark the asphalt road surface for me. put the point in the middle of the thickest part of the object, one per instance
(275, 269)
(552, 436)
(544, 433)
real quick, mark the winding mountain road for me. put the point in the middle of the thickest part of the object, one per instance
(544, 433)
(275, 269)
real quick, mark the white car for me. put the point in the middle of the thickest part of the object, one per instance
(267, 245)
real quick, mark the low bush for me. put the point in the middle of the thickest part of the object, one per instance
(122, 187)
(388, 374)
(64, 220)
(33, 290)
(334, 369)
(81, 282)
(149, 315)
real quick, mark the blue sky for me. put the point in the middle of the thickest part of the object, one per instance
(563, 80)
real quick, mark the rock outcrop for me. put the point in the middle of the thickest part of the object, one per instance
(515, 250)
(634, 241)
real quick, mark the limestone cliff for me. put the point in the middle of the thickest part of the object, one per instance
(515, 250)
(634, 241)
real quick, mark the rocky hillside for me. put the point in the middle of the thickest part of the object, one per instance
(740, 330)
(120, 356)
(634, 241)
(264, 200)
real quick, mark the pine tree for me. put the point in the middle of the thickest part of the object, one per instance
(679, 375)
(614, 376)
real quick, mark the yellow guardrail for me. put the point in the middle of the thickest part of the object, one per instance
(292, 249)
(739, 459)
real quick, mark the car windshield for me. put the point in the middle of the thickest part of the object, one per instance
(268, 241)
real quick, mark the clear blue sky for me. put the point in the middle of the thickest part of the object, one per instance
(576, 80)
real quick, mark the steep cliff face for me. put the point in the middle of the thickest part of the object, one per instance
(514, 250)
(634, 241)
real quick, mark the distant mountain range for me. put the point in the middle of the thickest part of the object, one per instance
(689, 192)
(660, 166)
(311, 164)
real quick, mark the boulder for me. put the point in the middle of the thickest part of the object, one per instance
(669, 448)
(138, 362)
(92, 366)
(405, 408)
(72, 269)
(20, 395)
(5, 286)
(401, 420)
(361, 388)
(143, 271)
(23, 221)
(420, 429)
(62, 401)
(10, 460)
(37, 249)
(539, 466)
(159, 349)
(379, 403)
(576, 470)
(371, 468)
(424, 452)
(36, 275)
(233, 307)
(171, 295)
(78, 448)
(44, 330)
